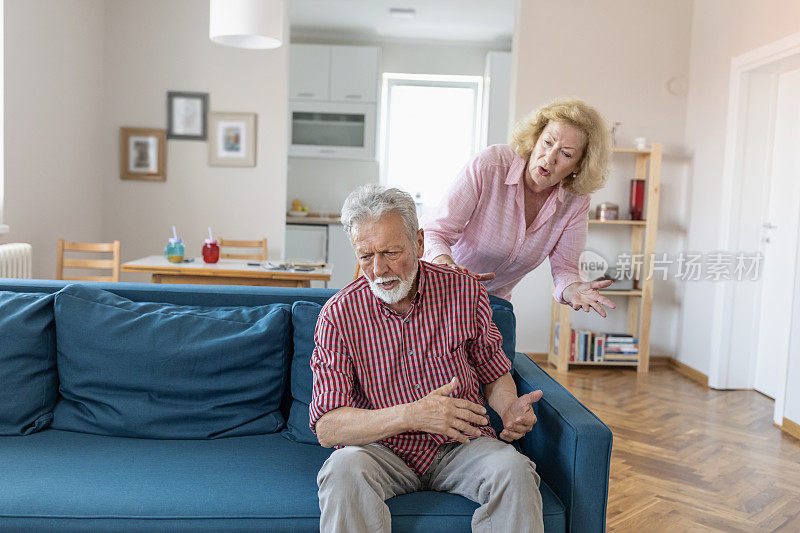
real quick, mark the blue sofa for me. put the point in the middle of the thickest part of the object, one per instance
(130, 407)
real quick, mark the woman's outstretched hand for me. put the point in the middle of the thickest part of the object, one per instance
(447, 260)
(586, 295)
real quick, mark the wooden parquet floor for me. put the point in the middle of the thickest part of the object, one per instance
(687, 458)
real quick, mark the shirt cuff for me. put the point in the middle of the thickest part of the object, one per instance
(561, 284)
(435, 250)
(493, 368)
(323, 403)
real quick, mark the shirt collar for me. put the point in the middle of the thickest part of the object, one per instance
(517, 171)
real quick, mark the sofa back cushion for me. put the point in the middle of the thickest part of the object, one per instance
(28, 379)
(304, 320)
(154, 370)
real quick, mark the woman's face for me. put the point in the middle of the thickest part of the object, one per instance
(556, 155)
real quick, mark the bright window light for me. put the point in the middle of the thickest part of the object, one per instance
(429, 131)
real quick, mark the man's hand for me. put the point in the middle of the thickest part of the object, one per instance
(439, 413)
(518, 418)
(445, 259)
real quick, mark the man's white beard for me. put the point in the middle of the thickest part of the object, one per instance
(392, 296)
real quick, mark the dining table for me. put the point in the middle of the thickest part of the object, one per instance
(226, 272)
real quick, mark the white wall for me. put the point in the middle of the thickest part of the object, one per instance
(721, 30)
(77, 71)
(53, 134)
(323, 184)
(618, 55)
(153, 47)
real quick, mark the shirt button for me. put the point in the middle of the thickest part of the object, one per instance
(410, 353)
(416, 386)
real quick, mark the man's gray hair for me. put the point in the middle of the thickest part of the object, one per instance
(373, 201)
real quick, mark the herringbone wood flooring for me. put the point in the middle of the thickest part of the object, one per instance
(687, 458)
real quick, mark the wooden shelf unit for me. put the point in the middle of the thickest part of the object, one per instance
(640, 301)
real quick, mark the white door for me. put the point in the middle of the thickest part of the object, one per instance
(779, 241)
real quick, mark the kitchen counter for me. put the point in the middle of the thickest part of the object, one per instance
(314, 220)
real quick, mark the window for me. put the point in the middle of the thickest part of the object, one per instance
(429, 129)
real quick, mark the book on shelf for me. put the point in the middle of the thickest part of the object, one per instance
(588, 346)
(599, 347)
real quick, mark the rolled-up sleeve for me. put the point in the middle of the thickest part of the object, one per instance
(566, 253)
(485, 352)
(445, 227)
(332, 370)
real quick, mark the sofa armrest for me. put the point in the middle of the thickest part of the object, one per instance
(570, 446)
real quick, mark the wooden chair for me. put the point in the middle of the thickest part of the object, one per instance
(99, 264)
(260, 245)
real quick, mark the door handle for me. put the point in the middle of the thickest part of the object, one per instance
(769, 226)
(353, 96)
(305, 95)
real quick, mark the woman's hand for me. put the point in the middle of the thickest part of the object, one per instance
(585, 295)
(445, 259)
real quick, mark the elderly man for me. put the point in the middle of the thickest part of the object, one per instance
(400, 356)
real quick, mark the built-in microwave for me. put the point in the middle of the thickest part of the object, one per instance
(327, 129)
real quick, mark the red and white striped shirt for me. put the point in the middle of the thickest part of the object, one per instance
(369, 357)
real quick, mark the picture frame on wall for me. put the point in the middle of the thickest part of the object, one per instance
(143, 154)
(187, 114)
(232, 139)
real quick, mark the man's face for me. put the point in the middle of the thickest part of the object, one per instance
(387, 256)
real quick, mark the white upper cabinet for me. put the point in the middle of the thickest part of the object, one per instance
(309, 72)
(324, 73)
(354, 73)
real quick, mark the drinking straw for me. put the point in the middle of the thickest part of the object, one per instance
(210, 236)
(174, 233)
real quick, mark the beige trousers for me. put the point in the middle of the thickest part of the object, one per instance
(355, 481)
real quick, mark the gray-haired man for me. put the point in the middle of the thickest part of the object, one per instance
(399, 359)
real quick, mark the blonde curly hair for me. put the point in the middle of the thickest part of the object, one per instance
(577, 113)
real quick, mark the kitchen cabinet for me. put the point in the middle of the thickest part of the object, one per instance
(354, 73)
(324, 73)
(322, 242)
(341, 256)
(333, 95)
(309, 72)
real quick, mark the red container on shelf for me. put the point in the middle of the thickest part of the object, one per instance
(211, 251)
(637, 199)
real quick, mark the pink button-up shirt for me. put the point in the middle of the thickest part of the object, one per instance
(480, 223)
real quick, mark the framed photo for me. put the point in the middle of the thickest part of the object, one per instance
(232, 140)
(186, 116)
(143, 154)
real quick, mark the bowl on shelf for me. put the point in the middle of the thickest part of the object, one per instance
(298, 213)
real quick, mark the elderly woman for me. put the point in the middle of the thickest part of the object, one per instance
(513, 206)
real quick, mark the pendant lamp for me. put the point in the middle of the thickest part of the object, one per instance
(255, 24)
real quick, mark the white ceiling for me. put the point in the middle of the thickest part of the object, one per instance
(479, 21)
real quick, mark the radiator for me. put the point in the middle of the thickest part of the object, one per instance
(15, 260)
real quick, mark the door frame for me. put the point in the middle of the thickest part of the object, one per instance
(774, 58)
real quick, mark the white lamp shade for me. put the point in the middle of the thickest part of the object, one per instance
(246, 23)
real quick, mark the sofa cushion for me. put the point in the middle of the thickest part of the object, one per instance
(143, 369)
(503, 317)
(252, 483)
(28, 378)
(304, 320)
